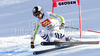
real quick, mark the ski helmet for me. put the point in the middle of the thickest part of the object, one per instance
(37, 10)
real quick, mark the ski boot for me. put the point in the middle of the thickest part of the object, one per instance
(71, 39)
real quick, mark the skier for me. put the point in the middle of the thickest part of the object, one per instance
(52, 23)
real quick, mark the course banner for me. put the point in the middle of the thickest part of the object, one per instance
(58, 3)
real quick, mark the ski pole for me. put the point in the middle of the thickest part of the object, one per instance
(72, 27)
(83, 29)
(37, 45)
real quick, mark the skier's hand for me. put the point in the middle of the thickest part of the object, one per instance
(32, 45)
(62, 26)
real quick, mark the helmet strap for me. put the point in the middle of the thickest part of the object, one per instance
(42, 15)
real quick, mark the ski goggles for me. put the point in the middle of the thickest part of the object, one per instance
(36, 14)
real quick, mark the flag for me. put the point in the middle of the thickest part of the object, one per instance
(58, 3)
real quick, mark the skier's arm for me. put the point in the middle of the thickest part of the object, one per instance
(58, 17)
(34, 35)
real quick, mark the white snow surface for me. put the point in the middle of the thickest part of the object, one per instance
(20, 45)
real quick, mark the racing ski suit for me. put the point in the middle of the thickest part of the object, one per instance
(50, 22)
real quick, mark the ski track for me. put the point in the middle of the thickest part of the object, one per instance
(16, 48)
(66, 51)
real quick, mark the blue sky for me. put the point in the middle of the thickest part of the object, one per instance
(17, 14)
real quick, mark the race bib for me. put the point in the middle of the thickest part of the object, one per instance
(46, 22)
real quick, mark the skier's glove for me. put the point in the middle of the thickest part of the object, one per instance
(32, 45)
(62, 26)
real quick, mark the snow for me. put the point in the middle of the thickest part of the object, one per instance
(20, 45)
(16, 27)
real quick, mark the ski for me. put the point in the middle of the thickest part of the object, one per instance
(69, 43)
(66, 45)
(49, 50)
